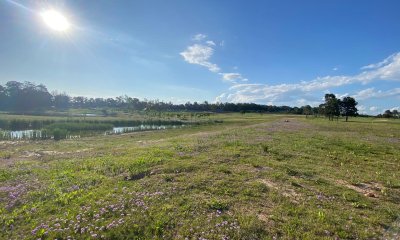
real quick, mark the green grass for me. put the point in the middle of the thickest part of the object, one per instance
(252, 176)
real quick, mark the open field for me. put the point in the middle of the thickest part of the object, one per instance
(251, 177)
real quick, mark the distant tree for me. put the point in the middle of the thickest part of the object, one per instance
(25, 96)
(307, 110)
(3, 97)
(321, 109)
(331, 108)
(296, 110)
(348, 107)
(387, 114)
(79, 102)
(395, 113)
(17, 96)
(61, 100)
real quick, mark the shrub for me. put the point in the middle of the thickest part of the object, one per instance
(59, 134)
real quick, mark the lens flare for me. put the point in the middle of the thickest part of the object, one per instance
(55, 20)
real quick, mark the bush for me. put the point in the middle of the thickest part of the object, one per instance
(59, 134)
(215, 204)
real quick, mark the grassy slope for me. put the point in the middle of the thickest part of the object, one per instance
(252, 177)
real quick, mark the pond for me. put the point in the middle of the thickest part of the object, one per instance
(143, 127)
(29, 134)
(39, 134)
(24, 134)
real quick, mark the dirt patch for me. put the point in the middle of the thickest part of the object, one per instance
(262, 169)
(371, 138)
(260, 139)
(393, 232)
(144, 143)
(7, 143)
(284, 190)
(28, 154)
(290, 125)
(392, 140)
(52, 153)
(371, 190)
(262, 217)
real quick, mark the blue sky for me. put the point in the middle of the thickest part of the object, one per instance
(268, 52)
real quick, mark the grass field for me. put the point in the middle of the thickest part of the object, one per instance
(251, 177)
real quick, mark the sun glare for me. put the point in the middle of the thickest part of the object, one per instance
(55, 20)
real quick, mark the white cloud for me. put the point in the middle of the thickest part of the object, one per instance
(200, 54)
(220, 97)
(361, 109)
(389, 69)
(382, 63)
(335, 68)
(364, 94)
(372, 93)
(210, 43)
(373, 109)
(199, 37)
(342, 95)
(232, 77)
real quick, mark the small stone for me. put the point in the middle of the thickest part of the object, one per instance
(371, 194)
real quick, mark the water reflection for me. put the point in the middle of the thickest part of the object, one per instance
(24, 134)
(39, 134)
(119, 130)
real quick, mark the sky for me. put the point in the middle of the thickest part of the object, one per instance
(268, 52)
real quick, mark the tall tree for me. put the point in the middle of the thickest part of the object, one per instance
(387, 114)
(307, 110)
(395, 113)
(61, 100)
(331, 106)
(348, 107)
(3, 97)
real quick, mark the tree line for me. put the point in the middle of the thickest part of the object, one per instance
(29, 97)
(390, 114)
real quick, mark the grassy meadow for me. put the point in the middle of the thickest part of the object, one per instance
(246, 176)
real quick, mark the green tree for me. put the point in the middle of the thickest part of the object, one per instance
(348, 107)
(331, 106)
(387, 114)
(61, 100)
(307, 110)
(395, 113)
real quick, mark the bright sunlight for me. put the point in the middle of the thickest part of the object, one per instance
(55, 20)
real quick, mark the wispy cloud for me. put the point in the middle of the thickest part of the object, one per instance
(387, 60)
(372, 93)
(199, 37)
(374, 109)
(389, 69)
(200, 54)
(233, 77)
(211, 43)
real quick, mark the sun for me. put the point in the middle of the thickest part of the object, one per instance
(55, 20)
